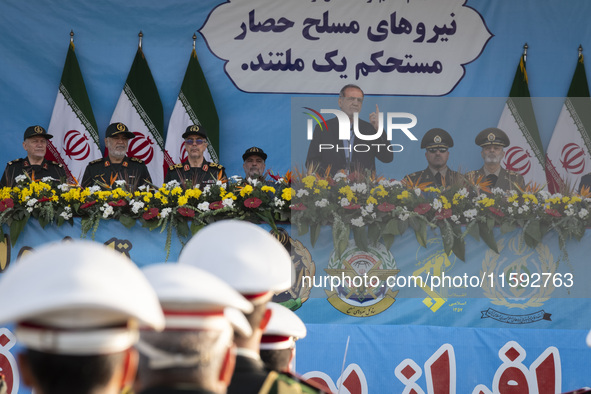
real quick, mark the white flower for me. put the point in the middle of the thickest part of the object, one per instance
(463, 192)
(204, 206)
(301, 193)
(229, 203)
(143, 188)
(455, 219)
(404, 214)
(165, 212)
(510, 209)
(63, 187)
(136, 206)
(322, 203)
(29, 209)
(20, 178)
(369, 207)
(107, 210)
(344, 202)
(253, 181)
(544, 195)
(338, 176)
(417, 191)
(219, 183)
(279, 203)
(437, 204)
(94, 189)
(121, 183)
(359, 187)
(358, 222)
(206, 189)
(520, 211)
(470, 214)
(569, 211)
(515, 204)
(367, 210)
(47, 179)
(236, 178)
(280, 180)
(67, 213)
(498, 190)
(31, 202)
(583, 213)
(526, 208)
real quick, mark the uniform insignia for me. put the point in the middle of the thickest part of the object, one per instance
(125, 164)
(120, 127)
(26, 163)
(45, 166)
(194, 128)
(205, 167)
(107, 163)
(136, 159)
(187, 167)
(95, 161)
(216, 165)
(491, 137)
(437, 139)
(38, 130)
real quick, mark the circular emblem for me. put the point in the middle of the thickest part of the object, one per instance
(120, 127)
(572, 158)
(518, 160)
(364, 280)
(38, 129)
(437, 139)
(141, 147)
(194, 128)
(491, 137)
(76, 145)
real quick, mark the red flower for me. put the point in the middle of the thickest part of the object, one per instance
(45, 199)
(216, 205)
(423, 208)
(298, 207)
(5, 204)
(120, 203)
(553, 212)
(386, 207)
(352, 206)
(496, 211)
(443, 214)
(187, 212)
(252, 202)
(87, 204)
(150, 214)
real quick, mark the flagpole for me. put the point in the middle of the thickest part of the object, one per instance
(525, 52)
(194, 39)
(71, 36)
(580, 50)
(140, 35)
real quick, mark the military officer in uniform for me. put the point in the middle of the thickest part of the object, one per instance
(493, 141)
(254, 163)
(77, 307)
(35, 164)
(117, 167)
(195, 170)
(436, 143)
(195, 352)
(256, 266)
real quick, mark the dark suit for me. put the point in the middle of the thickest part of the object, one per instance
(426, 176)
(131, 170)
(360, 161)
(20, 166)
(208, 173)
(506, 179)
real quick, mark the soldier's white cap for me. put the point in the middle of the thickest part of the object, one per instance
(192, 298)
(284, 328)
(244, 255)
(78, 298)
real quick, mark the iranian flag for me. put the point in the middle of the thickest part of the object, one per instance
(76, 140)
(525, 155)
(569, 153)
(140, 109)
(194, 105)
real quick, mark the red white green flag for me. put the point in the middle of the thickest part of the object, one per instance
(568, 157)
(525, 155)
(75, 138)
(140, 109)
(194, 105)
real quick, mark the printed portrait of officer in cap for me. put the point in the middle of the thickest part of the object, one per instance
(117, 166)
(436, 143)
(195, 170)
(493, 142)
(34, 165)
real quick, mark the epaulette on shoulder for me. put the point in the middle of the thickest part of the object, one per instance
(14, 161)
(136, 159)
(216, 165)
(55, 163)
(96, 161)
(174, 167)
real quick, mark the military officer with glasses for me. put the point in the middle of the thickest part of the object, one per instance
(493, 142)
(436, 143)
(196, 170)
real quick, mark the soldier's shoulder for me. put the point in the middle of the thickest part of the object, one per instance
(15, 161)
(95, 161)
(175, 166)
(135, 159)
(55, 164)
(513, 173)
(216, 165)
(283, 383)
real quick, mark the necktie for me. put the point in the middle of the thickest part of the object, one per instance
(438, 178)
(492, 178)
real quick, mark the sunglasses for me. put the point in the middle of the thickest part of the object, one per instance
(435, 150)
(194, 142)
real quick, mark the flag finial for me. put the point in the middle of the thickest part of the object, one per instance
(580, 50)
(525, 52)
(72, 36)
(140, 35)
(194, 39)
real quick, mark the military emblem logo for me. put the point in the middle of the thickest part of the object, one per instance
(38, 129)
(120, 127)
(366, 280)
(491, 137)
(437, 139)
(194, 128)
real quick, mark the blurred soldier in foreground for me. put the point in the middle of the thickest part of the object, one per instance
(493, 141)
(117, 167)
(77, 307)
(436, 143)
(35, 164)
(257, 265)
(279, 339)
(195, 352)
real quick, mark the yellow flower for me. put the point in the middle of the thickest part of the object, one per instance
(371, 200)
(183, 200)
(403, 195)
(432, 189)
(309, 181)
(268, 189)
(486, 202)
(322, 183)
(230, 195)
(193, 193)
(445, 202)
(246, 190)
(287, 194)
(177, 190)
